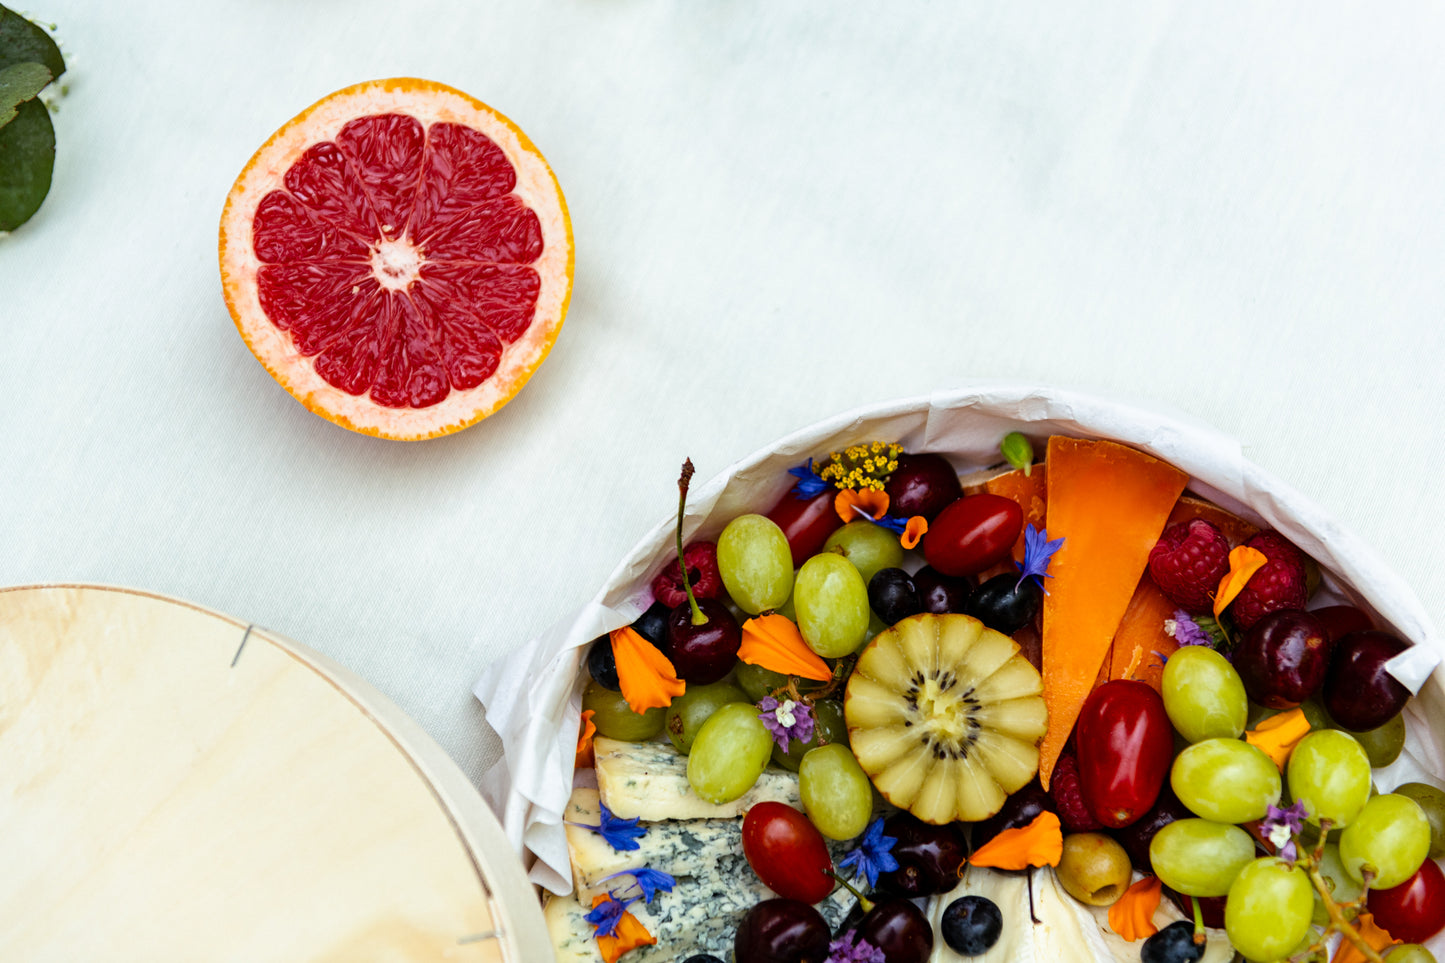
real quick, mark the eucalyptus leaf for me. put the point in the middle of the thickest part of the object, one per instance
(23, 42)
(19, 83)
(27, 158)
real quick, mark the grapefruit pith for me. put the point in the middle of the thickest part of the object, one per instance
(399, 257)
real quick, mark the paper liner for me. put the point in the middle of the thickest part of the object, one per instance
(533, 699)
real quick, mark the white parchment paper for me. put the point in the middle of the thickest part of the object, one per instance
(533, 700)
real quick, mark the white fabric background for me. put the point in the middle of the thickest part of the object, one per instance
(782, 210)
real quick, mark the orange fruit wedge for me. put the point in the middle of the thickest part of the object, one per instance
(399, 257)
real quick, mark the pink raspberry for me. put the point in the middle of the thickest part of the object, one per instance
(1068, 796)
(702, 574)
(1187, 563)
(1279, 584)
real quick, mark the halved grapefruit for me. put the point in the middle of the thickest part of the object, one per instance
(399, 257)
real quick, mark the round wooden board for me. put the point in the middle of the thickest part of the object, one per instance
(177, 785)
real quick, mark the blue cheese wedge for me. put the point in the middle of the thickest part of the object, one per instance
(649, 780)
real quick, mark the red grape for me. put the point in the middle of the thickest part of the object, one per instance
(787, 852)
(973, 533)
(1125, 746)
(1414, 911)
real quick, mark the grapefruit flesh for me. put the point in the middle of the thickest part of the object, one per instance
(398, 257)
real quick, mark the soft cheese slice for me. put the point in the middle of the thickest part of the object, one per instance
(649, 780)
(1009, 893)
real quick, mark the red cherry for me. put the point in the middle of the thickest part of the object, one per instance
(1340, 620)
(1414, 911)
(787, 852)
(1125, 745)
(972, 534)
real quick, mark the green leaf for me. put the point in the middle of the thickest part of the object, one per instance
(27, 157)
(22, 42)
(19, 83)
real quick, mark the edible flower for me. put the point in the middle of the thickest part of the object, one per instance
(862, 466)
(650, 881)
(586, 758)
(648, 679)
(621, 834)
(872, 854)
(1038, 552)
(809, 484)
(1377, 939)
(1279, 734)
(774, 642)
(1188, 629)
(916, 528)
(606, 913)
(786, 720)
(1243, 563)
(853, 504)
(1040, 843)
(1132, 915)
(625, 933)
(1280, 826)
(844, 950)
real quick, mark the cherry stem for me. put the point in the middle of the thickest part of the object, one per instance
(863, 901)
(1200, 937)
(698, 618)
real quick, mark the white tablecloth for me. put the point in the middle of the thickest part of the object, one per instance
(781, 211)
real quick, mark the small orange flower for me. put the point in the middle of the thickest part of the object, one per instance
(1243, 563)
(1377, 938)
(629, 935)
(1040, 843)
(586, 758)
(852, 504)
(774, 642)
(648, 679)
(1132, 915)
(1279, 734)
(916, 528)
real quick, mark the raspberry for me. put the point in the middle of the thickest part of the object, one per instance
(1187, 563)
(1279, 583)
(1275, 545)
(1069, 796)
(702, 574)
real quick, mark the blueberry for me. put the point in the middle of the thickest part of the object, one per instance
(891, 594)
(971, 925)
(702, 958)
(652, 624)
(1005, 604)
(603, 664)
(1173, 944)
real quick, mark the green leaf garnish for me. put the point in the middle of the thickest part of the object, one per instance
(19, 83)
(27, 158)
(1018, 451)
(23, 42)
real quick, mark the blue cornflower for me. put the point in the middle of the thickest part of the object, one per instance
(607, 914)
(650, 881)
(871, 856)
(893, 523)
(621, 834)
(1038, 552)
(809, 484)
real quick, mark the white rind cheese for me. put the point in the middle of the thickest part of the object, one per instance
(649, 780)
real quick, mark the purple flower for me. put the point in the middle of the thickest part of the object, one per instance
(650, 881)
(1281, 825)
(786, 720)
(1186, 631)
(607, 914)
(844, 950)
(621, 834)
(871, 856)
(809, 484)
(1038, 552)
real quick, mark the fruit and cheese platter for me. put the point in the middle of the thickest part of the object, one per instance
(1058, 700)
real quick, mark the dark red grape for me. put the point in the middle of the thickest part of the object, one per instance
(1282, 658)
(922, 484)
(1340, 620)
(1414, 911)
(703, 653)
(1005, 604)
(1358, 693)
(806, 522)
(1018, 810)
(892, 595)
(1210, 907)
(1173, 944)
(781, 931)
(942, 594)
(929, 857)
(973, 533)
(1136, 837)
(899, 929)
(602, 664)
(971, 925)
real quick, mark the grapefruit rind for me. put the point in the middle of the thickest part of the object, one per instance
(429, 102)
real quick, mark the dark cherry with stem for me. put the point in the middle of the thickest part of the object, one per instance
(702, 636)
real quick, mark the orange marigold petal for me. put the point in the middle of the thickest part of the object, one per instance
(1132, 915)
(916, 528)
(629, 935)
(648, 679)
(586, 758)
(1376, 937)
(1040, 843)
(872, 502)
(1243, 563)
(1279, 734)
(774, 642)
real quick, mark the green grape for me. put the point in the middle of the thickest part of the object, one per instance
(1268, 911)
(1342, 888)
(1226, 780)
(694, 707)
(1258, 713)
(1409, 953)
(837, 795)
(832, 602)
(788, 610)
(1382, 745)
(828, 728)
(1432, 801)
(1330, 773)
(757, 681)
(729, 753)
(1391, 835)
(615, 719)
(1198, 857)
(871, 548)
(1316, 715)
(1203, 695)
(755, 563)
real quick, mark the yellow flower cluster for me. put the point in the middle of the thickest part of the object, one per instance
(862, 466)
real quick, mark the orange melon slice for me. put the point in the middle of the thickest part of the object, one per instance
(1109, 503)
